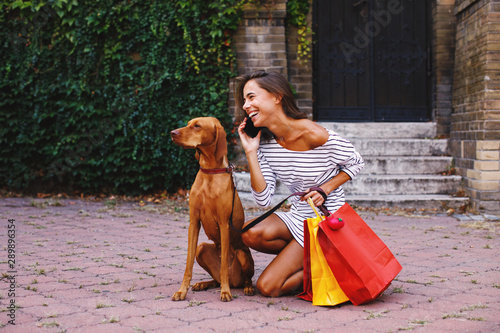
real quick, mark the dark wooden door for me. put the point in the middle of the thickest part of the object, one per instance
(371, 60)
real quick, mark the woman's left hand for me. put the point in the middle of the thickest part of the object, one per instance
(316, 197)
(327, 188)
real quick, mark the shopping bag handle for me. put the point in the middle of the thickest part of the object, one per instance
(311, 203)
(323, 194)
(332, 222)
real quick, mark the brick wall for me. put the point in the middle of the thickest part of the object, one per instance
(264, 42)
(300, 71)
(260, 41)
(443, 46)
(475, 127)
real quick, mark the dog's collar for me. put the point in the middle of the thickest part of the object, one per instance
(228, 170)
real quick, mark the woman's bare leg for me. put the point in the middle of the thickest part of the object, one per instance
(269, 236)
(285, 273)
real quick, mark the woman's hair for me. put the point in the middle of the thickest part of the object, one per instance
(274, 83)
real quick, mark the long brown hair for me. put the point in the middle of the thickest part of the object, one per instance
(274, 83)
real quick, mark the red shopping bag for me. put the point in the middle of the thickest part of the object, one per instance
(363, 265)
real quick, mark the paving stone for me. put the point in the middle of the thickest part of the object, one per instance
(103, 328)
(491, 217)
(74, 320)
(153, 322)
(85, 268)
(25, 327)
(52, 310)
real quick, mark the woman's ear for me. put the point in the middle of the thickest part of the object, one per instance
(277, 98)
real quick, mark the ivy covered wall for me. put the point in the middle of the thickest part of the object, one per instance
(90, 90)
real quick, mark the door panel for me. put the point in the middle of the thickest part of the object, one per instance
(371, 60)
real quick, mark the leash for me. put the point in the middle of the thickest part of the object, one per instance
(272, 210)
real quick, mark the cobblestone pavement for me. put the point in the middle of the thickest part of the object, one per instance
(84, 266)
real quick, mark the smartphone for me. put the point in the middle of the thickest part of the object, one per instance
(250, 129)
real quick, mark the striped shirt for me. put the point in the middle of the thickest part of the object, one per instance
(301, 170)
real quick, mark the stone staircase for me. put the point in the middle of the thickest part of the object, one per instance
(404, 168)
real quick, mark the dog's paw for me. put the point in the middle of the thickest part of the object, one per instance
(226, 296)
(204, 285)
(249, 290)
(179, 296)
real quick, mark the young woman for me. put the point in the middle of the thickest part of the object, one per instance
(302, 154)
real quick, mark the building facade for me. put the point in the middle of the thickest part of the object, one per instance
(394, 61)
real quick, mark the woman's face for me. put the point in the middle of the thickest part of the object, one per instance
(259, 104)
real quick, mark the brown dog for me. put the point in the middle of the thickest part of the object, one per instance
(212, 200)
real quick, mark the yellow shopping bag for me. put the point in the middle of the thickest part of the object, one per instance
(325, 288)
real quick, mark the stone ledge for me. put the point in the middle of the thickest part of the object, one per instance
(483, 175)
(436, 202)
(483, 185)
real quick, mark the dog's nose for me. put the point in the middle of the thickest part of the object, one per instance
(174, 133)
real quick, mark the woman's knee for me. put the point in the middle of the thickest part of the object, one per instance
(250, 238)
(268, 287)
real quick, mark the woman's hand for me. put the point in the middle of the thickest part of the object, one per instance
(327, 188)
(249, 144)
(316, 197)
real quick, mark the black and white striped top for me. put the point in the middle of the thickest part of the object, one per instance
(301, 170)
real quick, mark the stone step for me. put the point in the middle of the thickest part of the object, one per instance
(402, 184)
(420, 201)
(400, 147)
(402, 166)
(242, 183)
(385, 165)
(416, 201)
(379, 184)
(384, 130)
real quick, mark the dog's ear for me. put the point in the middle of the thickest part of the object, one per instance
(221, 144)
(197, 155)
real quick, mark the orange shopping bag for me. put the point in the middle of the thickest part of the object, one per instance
(320, 284)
